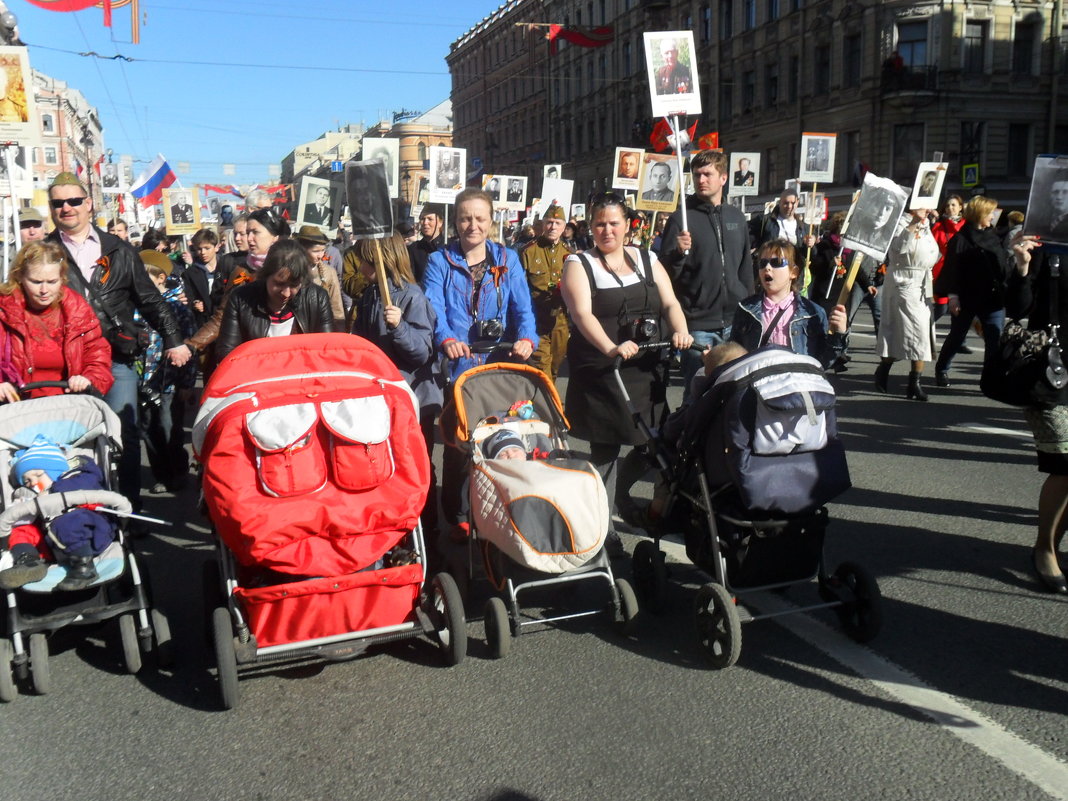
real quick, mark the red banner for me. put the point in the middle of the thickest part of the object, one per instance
(582, 37)
(75, 5)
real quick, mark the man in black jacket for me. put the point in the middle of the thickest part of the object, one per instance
(109, 274)
(709, 264)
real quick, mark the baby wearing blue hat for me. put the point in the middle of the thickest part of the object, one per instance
(77, 536)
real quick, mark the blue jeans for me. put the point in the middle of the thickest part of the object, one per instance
(122, 399)
(691, 360)
(992, 322)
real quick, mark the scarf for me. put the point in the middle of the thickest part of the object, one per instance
(254, 262)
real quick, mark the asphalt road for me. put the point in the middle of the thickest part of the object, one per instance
(963, 694)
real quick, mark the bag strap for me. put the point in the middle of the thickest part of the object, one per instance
(1054, 282)
(771, 327)
(589, 272)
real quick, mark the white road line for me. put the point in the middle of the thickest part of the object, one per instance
(1033, 764)
(1005, 432)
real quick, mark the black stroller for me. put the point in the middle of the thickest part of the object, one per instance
(757, 458)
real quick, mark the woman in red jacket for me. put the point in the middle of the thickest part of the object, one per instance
(944, 230)
(48, 332)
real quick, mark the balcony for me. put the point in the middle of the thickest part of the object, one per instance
(909, 79)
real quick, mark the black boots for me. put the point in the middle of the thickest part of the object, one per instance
(882, 375)
(915, 391)
(81, 573)
(27, 567)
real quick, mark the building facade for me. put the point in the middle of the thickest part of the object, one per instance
(976, 80)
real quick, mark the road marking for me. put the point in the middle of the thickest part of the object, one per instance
(1005, 432)
(1033, 764)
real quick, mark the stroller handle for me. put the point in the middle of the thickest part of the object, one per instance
(653, 346)
(484, 346)
(26, 388)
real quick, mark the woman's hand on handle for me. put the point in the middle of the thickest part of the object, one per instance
(78, 383)
(522, 349)
(392, 316)
(624, 350)
(681, 341)
(455, 349)
(838, 320)
(8, 393)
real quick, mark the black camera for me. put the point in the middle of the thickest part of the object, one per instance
(643, 329)
(490, 329)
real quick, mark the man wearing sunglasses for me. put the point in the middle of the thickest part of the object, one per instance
(709, 265)
(109, 274)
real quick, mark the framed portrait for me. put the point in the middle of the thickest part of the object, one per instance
(812, 207)
(113, 179)
(214, 207)
(18, 111)
(627, 168)
(659, 188)
(744, 178)
(367, 190)
(578, 211)
(448, 168)
(817, 157)
(671, 64)
(388, 152)
(513, 192)
(20, 172)
(874, 216)
(552, 171)
(1047, 203)
(316, 205)
(927, 187)
(556, 191)
(181, 210)
(491, 185)
(630, 200)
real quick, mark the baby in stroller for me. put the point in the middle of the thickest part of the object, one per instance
(76, 536)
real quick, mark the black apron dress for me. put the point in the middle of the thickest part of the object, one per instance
(593, 403)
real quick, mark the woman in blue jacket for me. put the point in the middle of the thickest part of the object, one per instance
(478, 290)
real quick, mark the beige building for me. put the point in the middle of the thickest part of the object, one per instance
(977, 80)
(417, 132)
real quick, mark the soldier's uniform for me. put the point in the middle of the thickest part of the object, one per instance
(544, 264)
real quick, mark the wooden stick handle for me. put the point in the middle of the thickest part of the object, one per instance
(380, 273)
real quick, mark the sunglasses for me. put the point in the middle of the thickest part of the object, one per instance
(608, 199)
(68, 201)
(780, 262)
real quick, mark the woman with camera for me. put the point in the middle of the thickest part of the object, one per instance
(478, 290)
(618, 296)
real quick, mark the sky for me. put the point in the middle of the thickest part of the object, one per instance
(243, 82)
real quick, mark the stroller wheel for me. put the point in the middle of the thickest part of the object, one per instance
(718, 627)
(447, 612)
(225, 655)
(628, 606)
(498, 628)
(161, 631)
(861, 614)
(8, 690)
(131, 648)
(40, 671)
(650, 575)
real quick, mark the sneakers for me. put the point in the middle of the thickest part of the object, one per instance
(27, 568)
(81, 573)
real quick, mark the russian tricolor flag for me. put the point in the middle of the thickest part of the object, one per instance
(149, 186)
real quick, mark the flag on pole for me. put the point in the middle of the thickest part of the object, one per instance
(149, 186)
(582, 37)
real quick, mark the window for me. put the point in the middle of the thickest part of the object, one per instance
(706, 23)
(771, 85)
(748, 14)
(50, 156)
(821, 70)
(974, 45)
(1018, 163)
(912, 44)
(907, 151)
(792, 78)
(773, 10)
(726, 102)
(851, 155)
(771, 166)
(726, 19)
(48, 123)
(421, 151)
(604, 15)
(851, 60)
(567, 86)
(1064, 53)
(687, 22)
(1023, 48)
(748, 90)
(626, 58)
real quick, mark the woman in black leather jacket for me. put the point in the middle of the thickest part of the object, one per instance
(281, 301)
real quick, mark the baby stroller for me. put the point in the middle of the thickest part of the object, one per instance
(757, 459)
(540, 522)
(87, 427)
(315, 472)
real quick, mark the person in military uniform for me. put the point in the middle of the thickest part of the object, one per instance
(543, 260)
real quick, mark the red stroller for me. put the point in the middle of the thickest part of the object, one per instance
(315, 472)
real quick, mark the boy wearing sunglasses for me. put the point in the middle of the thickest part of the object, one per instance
(777, 315)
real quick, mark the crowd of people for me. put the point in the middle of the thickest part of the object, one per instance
(84, 306)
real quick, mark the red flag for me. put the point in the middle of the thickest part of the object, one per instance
(710, 141)
(658, 138)
(582, 37)
(96, 166)
(122, 204)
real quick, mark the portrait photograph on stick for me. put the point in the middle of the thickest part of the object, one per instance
(927, 188)
(491, 185)
(388, 152)
(448, 166)
(514, 188)
(367, 189)
(552, 171)
(745, 174)
(181, 210)
(1047, 203)
(817, 157)
(874, 216)
(315, 205)
(670, 62)
(659, 189)
(18, 109)
(556, 191)
(628, 166)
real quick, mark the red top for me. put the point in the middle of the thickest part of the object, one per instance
(45, 343)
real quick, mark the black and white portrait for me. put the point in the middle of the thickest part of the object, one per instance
(745, 174)
(181, 208)
(659, 188)
(109, 176)
(672, 73)
(513, 192)
(316, 204)
(369, 201)
(388, 152)
(447, 173)
(551, 171)
(927, 187)
(874, 216)
(491, 185)
(1047, 203)
(213, 207)
(817, 157)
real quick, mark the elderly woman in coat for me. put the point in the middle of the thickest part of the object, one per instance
(907, 331)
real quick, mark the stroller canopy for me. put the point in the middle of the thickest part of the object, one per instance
(492, 388)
